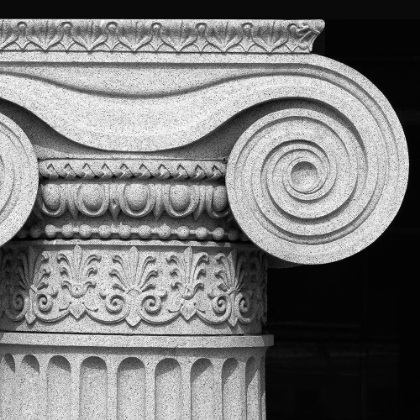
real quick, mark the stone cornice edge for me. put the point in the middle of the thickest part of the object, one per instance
(159, 36)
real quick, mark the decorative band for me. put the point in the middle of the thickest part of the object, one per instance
(132, 198)
(160, 36)
(126, 231)
(131, 168)
(141, 285)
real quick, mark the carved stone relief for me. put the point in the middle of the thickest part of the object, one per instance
(18, 178)
(151, 154)
(133, 199)
(194, 36)
(119, 377)
(315, 183)
(139, 284)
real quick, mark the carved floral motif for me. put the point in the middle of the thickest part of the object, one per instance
(229, 297)
(134, 296)
(78, 268)
(135, 285)
(217, 36)
(26, 292)
(186, 273)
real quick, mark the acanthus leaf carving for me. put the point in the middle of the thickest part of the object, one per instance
(178, 35)
(44, 34)
(224, 35)
(89, 34)
(134, 34)
(187, 271)
(270, 36)
(78, 270)
(134, 295)
(230, 298)
(128, 286)
(29, 295)
(159, 36)
(8, 34)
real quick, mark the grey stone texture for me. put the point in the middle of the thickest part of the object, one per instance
(18, 178)
(123, 377)
(150, 172)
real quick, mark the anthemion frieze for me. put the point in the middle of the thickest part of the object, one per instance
(150, 172)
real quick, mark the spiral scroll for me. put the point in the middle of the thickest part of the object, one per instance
(18, 178)
(311, 185)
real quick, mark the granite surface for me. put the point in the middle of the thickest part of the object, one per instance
(150, 172)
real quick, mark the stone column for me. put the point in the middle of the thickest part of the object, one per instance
(150, 171)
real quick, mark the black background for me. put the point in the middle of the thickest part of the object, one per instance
(346, 333)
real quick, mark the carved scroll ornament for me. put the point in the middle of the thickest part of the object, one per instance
(18, 178)
(320, 179)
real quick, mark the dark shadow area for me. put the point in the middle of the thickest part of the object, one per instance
(346, 341)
